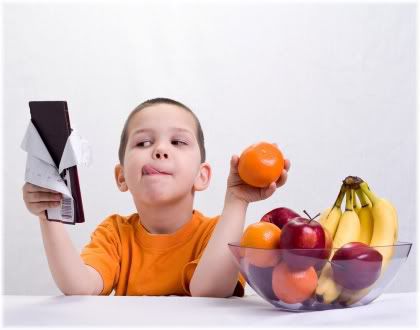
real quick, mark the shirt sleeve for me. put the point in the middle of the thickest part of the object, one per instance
(102, 253)
(189, 268)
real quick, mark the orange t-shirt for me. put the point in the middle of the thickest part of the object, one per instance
(134, 262)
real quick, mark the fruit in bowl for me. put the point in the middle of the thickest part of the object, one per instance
(352, 225)
(329, 264)
(296, 290)
(262, 237)
(304, 243)
(292, 286)
(280, 216)
(356, 266)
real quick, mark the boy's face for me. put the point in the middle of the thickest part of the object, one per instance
(162, 161)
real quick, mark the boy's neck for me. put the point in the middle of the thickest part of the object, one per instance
(166, 218)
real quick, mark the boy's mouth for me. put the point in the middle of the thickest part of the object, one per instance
(151, 170)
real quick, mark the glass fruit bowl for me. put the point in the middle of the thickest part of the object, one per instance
(319, 279)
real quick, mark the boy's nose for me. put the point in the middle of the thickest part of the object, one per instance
(159, 155)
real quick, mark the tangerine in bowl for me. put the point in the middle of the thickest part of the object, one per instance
(261, 236)
(315, 288)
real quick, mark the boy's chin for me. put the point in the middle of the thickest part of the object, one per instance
(156, 201)
(157, 198)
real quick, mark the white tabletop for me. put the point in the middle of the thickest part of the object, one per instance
(388, 310)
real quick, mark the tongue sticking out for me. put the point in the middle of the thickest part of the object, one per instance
(147, 170)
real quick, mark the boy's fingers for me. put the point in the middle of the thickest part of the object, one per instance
(234, 160)
(286, 164)
(42, 206)
(270, 190)
(273, 187)
(282, 180)
(29, 187)
(37, 197)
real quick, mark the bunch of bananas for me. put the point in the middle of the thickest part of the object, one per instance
(374, 222)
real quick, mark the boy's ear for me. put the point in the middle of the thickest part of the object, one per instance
(202, 180)
(120, 179)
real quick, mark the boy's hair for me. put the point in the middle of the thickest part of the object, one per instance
(160, 100)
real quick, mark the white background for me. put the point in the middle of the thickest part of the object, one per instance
(332, 84)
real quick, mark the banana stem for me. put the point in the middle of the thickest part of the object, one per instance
(365, 188)
(340, 196)
(352, 182)
(362, 197)
(349, 199)
(355, 201)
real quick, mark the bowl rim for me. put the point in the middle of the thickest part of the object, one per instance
(237, 245)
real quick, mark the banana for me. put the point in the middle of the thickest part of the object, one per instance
(385, 225)
(349, 297)
(356, 204)
(327, 291)
(365, 217)
(330, 217)
(348, 231)
(384, 232)
(396, 224)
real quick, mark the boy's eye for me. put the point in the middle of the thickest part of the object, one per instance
(178, 142)
(148, 143)
(142, 144)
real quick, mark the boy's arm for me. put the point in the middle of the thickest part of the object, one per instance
(70, 274)
(216, 274)
(220, 281)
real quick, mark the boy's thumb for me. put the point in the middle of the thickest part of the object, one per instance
(234, 161)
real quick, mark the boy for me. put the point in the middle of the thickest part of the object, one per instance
(167, 247)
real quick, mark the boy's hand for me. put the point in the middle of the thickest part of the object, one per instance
(237, 188)
(38, 199)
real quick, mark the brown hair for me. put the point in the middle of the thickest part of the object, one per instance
(148, 103)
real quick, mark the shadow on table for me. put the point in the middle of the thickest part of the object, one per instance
(249, 302)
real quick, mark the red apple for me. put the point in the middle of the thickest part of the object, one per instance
(280, 216)
(356, 265)
(304, 243)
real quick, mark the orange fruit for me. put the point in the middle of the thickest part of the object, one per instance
(293, 287)
(261, 237)
(260, 164)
